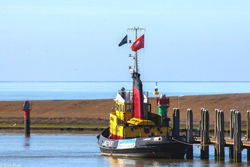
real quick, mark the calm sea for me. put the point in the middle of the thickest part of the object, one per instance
(80, 150)
(107, 90)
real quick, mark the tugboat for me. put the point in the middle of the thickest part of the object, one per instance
(134, 130)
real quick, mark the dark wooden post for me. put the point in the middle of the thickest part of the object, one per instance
(189, 135)
(215, 122)
(26, 110)
(237, 137)
(200, 122)
(219, 145)
(176, 122)
(204, 134)
(222, 137)
(215, 128)
(248, 134)
(232, 122)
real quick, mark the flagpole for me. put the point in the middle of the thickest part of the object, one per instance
(137, 85)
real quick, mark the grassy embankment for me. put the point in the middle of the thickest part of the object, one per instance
(53, 125)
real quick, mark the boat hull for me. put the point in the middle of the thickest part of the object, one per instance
(159, 147)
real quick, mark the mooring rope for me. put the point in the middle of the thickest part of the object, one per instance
(191, 144)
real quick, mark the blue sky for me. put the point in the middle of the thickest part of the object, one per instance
(76, 40)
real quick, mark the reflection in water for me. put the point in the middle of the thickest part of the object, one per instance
(26, 142)
(123, 162)
(140, 162)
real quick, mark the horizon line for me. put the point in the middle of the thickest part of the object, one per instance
(142, 81)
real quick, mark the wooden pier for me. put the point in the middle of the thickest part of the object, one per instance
(234, 141)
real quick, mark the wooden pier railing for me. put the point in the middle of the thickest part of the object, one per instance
(235, 142)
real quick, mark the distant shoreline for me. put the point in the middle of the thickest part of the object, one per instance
(96, 112)
(91, 90)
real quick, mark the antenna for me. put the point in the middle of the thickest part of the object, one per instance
(136, 29)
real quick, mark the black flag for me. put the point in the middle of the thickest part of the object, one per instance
(124, 41)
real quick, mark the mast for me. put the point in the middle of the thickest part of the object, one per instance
(136, 29)
(138, 109)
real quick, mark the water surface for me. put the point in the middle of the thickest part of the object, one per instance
(63, 150)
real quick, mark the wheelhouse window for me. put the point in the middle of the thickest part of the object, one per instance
(122, 107)
(117, 107)
(128, 108)
(147, 107)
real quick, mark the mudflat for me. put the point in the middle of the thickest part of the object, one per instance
(96, 112)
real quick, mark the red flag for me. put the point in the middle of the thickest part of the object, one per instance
(138, 44)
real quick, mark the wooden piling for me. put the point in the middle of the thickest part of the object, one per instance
(219, 145)
(200, 122)
(215, 128)
(215, 121)
(176, 123)
(204, 134)
(189, 135)
(26, 109)
(248, 134)
(232, 122)
(237, 138)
